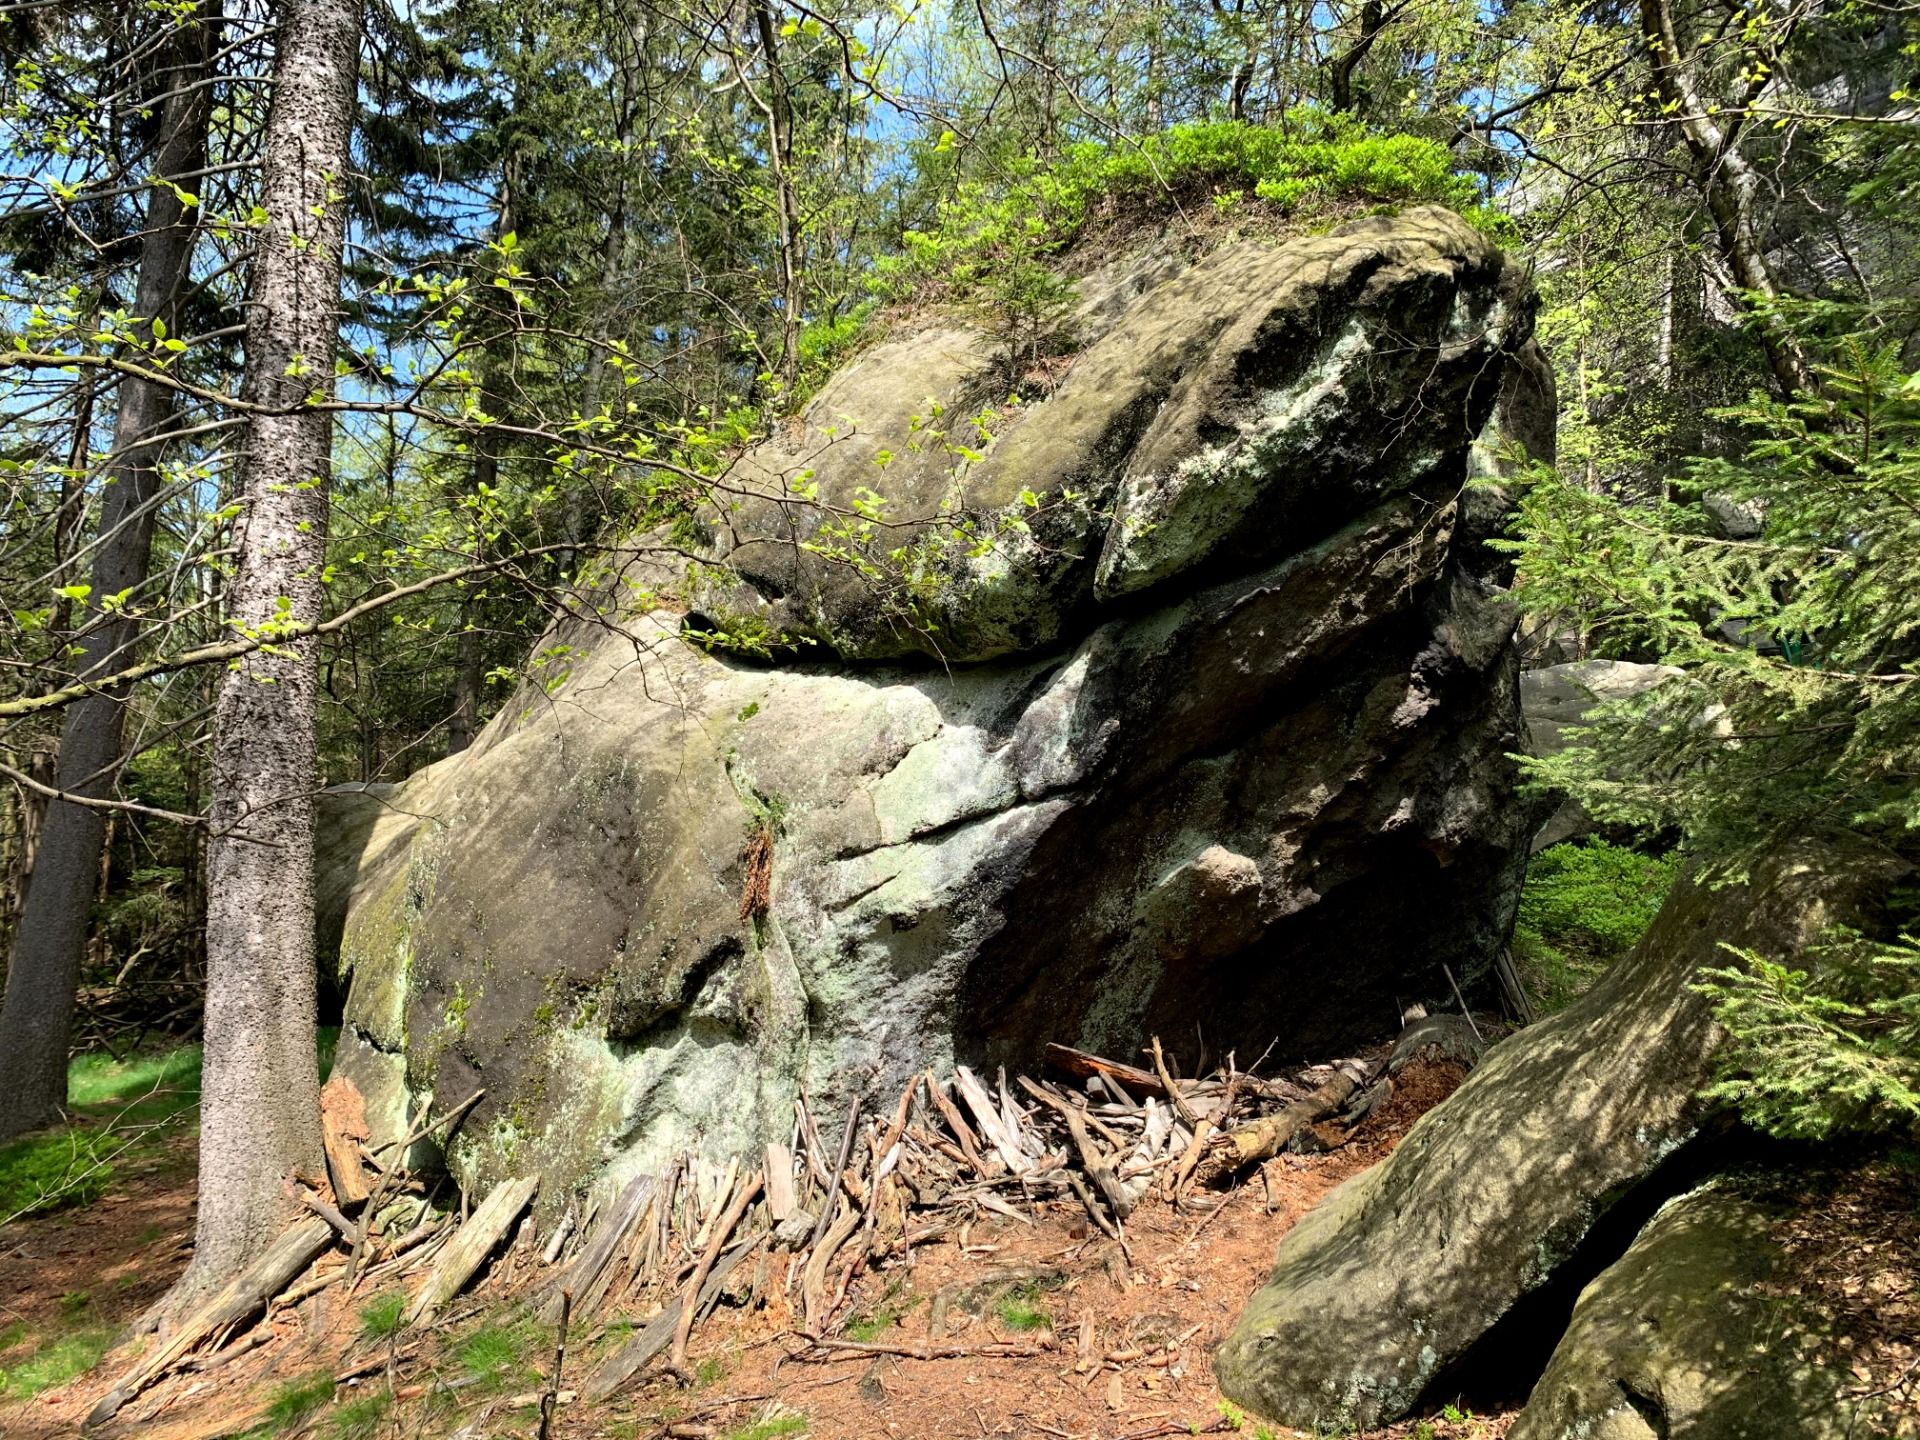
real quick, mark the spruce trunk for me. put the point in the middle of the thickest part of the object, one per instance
(260, 1110)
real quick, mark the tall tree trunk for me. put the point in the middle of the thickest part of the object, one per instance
(260, 1107)
(780, 152)
(1728, 183)
(37, 1016)
(469, 655)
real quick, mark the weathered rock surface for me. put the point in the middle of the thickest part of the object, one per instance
(1683, 1339)
(1229, 751)
(1397, 1274)
(1557, 698)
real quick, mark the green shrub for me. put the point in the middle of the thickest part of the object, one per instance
(1583, 907)
(1318, 160)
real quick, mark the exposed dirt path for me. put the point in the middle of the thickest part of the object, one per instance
(1111, 1343)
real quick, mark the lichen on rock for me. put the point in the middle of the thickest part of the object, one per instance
(1056, 751)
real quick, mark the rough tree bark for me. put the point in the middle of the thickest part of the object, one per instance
(36, 1019)
(260, 1105)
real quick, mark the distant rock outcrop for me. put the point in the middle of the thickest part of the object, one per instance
(1171, 699)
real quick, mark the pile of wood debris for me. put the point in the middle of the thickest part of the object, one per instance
(1103, 1137)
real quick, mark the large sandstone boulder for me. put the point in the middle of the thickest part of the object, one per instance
(1695, 1334)
(1558, 1140)
(1228, 748)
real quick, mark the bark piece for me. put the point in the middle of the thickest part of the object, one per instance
(343, 1125)
(779, 1173)
(247, 1292)
(470, 1246)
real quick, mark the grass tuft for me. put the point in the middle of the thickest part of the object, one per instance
(496, 1355)
(53, 1363)
(383, 1315)
(770, 1427)
(1019, 1312)
(298, 1400)
(360, 1419)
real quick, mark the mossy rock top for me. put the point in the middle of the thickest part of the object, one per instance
(1215, 418)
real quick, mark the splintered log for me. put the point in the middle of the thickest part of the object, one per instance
(588, 1277)
(1079, 1062)
(343, 1126)
(1266, 1137)
(472, 1244)
(657, 1334)
(690, 1306)
(239, 1298)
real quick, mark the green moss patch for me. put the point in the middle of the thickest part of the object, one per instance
(1583, 908)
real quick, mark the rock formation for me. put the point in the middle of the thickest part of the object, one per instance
(1534, 1175)
(1686, 1336)
(1174, 698)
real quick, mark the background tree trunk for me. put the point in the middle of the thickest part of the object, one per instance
(37, 1017)
(259, 1111)
(1727, 182)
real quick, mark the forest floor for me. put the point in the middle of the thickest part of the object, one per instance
(1111, 1347)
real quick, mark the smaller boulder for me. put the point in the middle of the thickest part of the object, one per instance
(1683, 1336)
(1557, 698)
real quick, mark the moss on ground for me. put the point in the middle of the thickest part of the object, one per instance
(1583, 908)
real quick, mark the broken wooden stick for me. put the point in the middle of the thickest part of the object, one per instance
(471, 1244)
(992, 1349)
(749, 1190)
(1079, 1062)
(550, 1397)
(234, 1302)
(1178, 1100)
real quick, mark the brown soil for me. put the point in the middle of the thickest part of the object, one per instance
(1853, 1247)
(1120, 1346)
